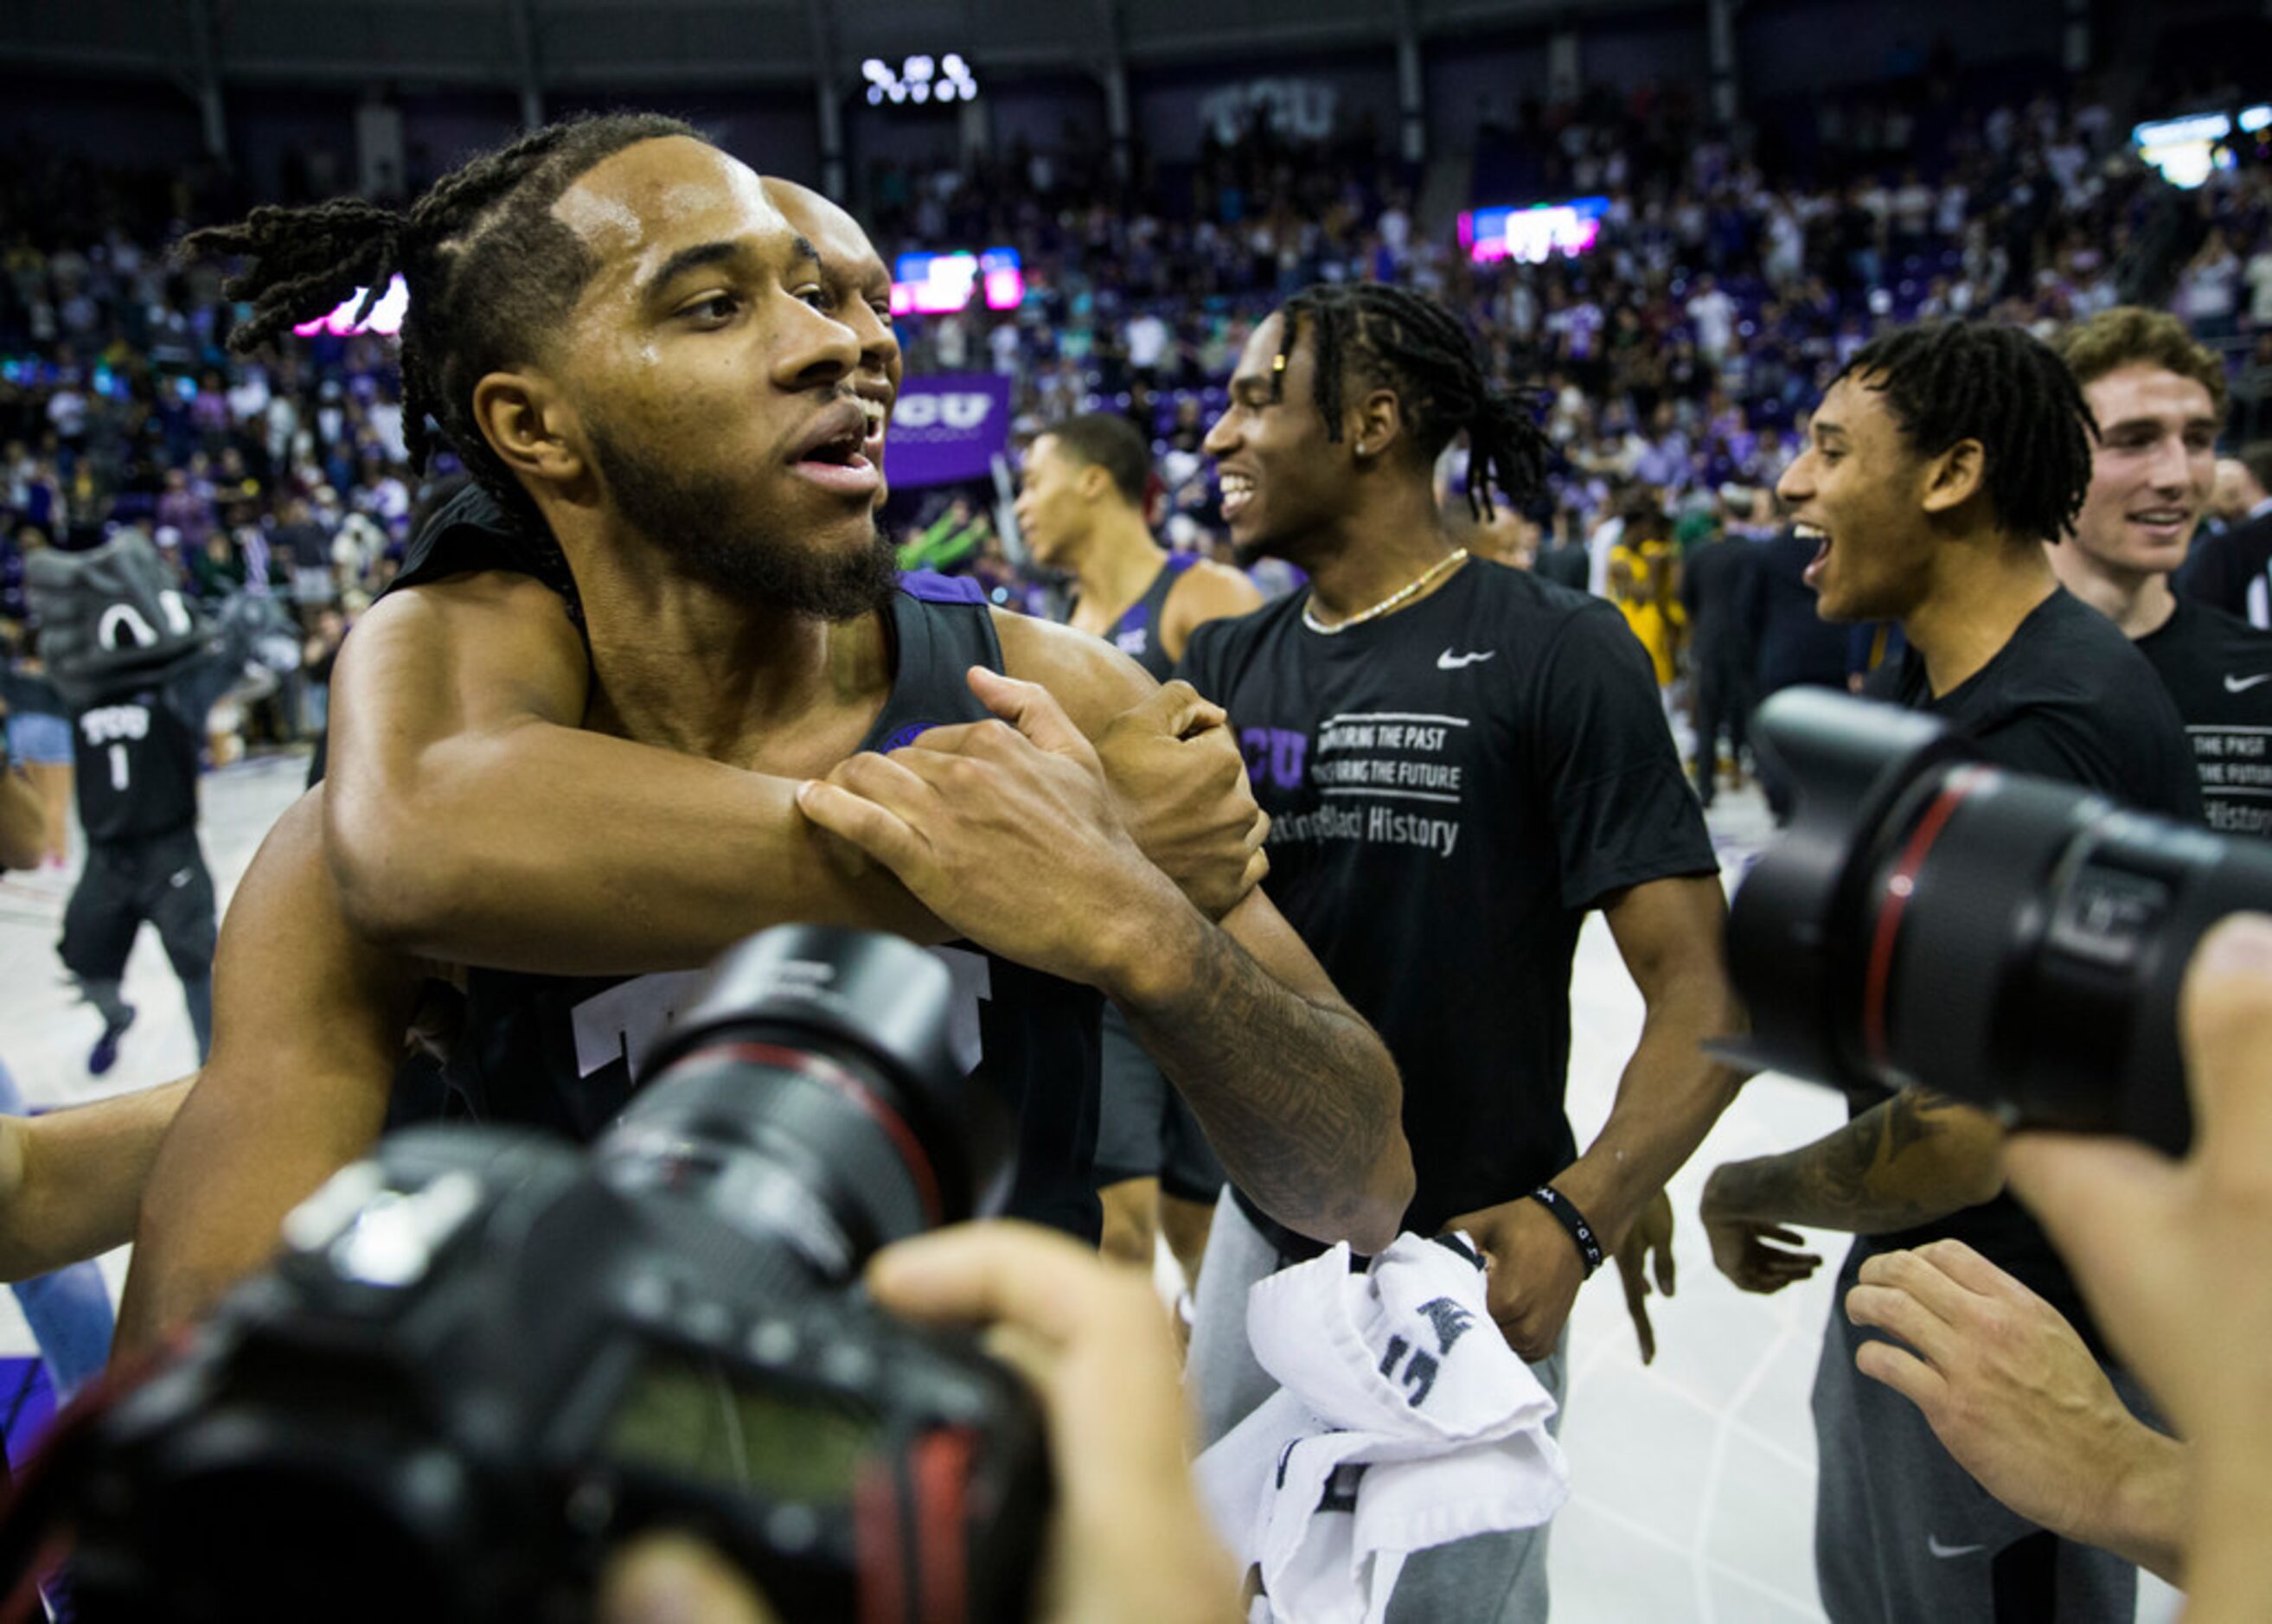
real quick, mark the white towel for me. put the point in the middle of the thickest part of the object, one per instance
(1403, 1421)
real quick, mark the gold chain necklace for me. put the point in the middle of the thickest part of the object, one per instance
(1457, 556)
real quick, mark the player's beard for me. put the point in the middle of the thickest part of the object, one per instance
(703, 524)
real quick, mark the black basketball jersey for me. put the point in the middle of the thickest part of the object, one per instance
(1137, 633)
(137, 766)
(470, 532)
(559, 1052)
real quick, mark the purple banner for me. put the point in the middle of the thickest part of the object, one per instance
(946, 427)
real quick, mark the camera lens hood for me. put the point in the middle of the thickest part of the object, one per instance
(1794, 928)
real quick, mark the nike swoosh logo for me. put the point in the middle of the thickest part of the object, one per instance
(1449, 661)
(2241, 685)
(1934, 1545)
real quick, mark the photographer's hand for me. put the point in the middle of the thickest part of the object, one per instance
(2013, 1395)
(2171, 1257)
(1130, 1542)
(673, 1579)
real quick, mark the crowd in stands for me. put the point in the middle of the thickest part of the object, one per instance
(1673, 362)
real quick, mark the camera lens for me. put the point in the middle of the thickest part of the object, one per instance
(809, 1095)
(1928, 920)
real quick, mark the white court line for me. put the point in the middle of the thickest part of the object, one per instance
(1656, 1537)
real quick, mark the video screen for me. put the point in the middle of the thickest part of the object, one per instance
(936, 284)
(1534, 233)
(2188, 150)
(385, 315)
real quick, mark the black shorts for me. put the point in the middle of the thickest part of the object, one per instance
(1146, 1130)
(162, 880)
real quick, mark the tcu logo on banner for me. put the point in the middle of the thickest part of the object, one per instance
(959, 412)
(947, 428)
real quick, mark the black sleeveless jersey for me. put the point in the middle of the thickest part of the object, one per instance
(137, 766)
(470, 532)
(557, 1050)
(1137, 633)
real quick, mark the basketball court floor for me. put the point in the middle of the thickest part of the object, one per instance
(1692, 1476)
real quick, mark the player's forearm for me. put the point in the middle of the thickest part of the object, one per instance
(2142, 1515)
(546, 848)
(1909, 1160)
(236, 1161)
(1669, 1098)
(1300, 1099)
(80, 1177)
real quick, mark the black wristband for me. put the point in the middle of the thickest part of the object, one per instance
(1567, 1214)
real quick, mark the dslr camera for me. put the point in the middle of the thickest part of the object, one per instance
(486, 1359)
(1930, 919)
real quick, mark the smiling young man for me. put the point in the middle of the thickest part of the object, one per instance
(1460, 762)
(1080, 509)
(670, 402)
(2160, 399)
(1938, 464)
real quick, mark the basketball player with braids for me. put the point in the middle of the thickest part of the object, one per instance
(638, 355)
(1461, 761)
(1080, 509)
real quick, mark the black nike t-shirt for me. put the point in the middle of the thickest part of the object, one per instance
(558, 1051)
(2218, 670)
(1451, 788)
(2068, 697)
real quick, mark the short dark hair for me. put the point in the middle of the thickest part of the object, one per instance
(1107, 441)
(1394, 337)
(1968, 380)
(491, 272)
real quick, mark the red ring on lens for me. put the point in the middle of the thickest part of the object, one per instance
(1900, 883)
(896, 1128)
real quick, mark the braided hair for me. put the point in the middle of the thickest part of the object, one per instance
(491, 273)
(1970, 380)
(1392, 337)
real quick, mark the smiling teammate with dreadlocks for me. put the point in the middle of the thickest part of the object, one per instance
(1461, 761)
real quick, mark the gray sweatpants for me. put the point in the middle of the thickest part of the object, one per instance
(1488, 1579)
(1902, 1533)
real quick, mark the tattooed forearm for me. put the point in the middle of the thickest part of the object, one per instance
(1913, 1159)
(1300, 1099)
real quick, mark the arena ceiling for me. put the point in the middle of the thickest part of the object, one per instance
(570, 44)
